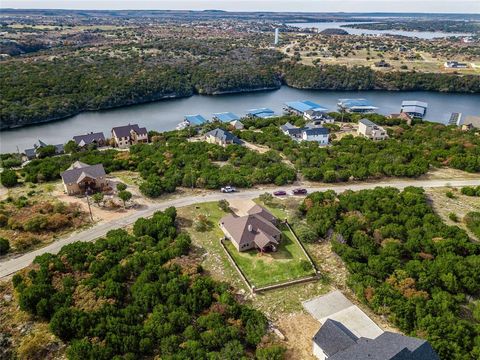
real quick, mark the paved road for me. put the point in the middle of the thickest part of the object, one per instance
(12, 265)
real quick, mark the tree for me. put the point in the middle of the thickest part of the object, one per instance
(121, 187)
(46, 151)
(9, 178)
(4, 246)
(71, 147)
(224, 205)
(274, 352)
(98, 198)
(125, 195)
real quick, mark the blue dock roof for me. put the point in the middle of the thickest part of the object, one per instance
(302, 106)
(225, 117)
(356, 103)
(261, 113)
(195, 119)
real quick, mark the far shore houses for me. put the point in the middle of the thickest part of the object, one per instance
(127, 135)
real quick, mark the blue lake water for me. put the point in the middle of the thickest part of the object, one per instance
(166, 114)
(338, 25)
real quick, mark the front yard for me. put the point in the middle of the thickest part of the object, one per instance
(287, 263)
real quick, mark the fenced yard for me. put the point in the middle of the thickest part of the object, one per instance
(262, 269)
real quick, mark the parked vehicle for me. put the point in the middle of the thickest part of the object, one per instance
(228, 189)
(280, 193)
(299, 191)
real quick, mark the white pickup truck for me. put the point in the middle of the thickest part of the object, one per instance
(228, 189)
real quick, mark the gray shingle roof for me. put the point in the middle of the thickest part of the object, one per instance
(124, 131)
(89, 138)
(316, 131)
(79, 170)
(367, 122)
(334, 337)
(223, 135)
(260, 211)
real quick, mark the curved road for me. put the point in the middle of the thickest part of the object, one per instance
(14, 264)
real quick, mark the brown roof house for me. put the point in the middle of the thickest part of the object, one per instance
(256, 230)
(127, 135)
(81, 178)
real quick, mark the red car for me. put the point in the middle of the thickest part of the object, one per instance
(280, 193)
(299, 191)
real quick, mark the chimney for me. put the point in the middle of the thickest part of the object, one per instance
(250, 228)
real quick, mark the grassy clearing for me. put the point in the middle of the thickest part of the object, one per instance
(458, 204)
(207, 243)
(287, 263)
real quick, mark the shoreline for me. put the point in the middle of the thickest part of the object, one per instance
(227, 92)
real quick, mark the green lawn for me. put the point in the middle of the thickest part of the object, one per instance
(287, 263)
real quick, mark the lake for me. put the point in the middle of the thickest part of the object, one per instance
(338, 25)
(166, 114)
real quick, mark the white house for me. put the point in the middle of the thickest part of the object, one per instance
(317, 116)
(318, 134)
(371, 130)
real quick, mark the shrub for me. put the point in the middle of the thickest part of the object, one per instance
(452, 216)
(36, 223)
(224, 205)
(4, 246)
(274, 352)
(8, 178)
(450, 195)
(121, 187)
(306, 234)
(472, 220)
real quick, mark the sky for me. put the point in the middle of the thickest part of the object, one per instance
(425, 6)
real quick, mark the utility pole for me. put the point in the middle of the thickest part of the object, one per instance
(89, 208)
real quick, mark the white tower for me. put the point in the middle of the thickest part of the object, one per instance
(276, 36)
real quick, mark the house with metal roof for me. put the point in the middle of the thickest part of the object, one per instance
(416, 109)
(225, 117)
(81, 178)
(356, 105)
(127, 135)
(262, 113)
(371, 130)
(97, 139)
(222, 137)
(256, 230)
(334, 341)
(300, 107)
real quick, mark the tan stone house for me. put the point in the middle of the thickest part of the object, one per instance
(81, 178)
(256, 230)
(221, 137)
(127, 135)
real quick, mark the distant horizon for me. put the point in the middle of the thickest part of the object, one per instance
(251, 11)
(279, 6)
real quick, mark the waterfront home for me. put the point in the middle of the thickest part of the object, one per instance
(221, 137)
(318, 117)
(33, 152)
(125, 136)
(318, 134)
(225, 117)
(310, 132)
(300, 107)
(415, 109)
(237, 125)
(262, 113)
(356, 106)
(334, 341)
(371, 130)
(470, 122)
(256, 230)
(402, 116)
(455, 65)
(97, 139)
(81, 178)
